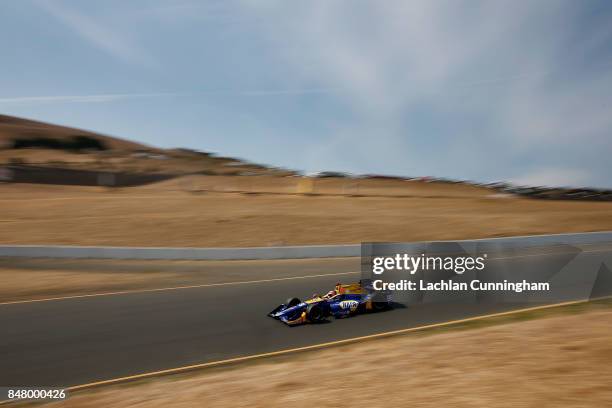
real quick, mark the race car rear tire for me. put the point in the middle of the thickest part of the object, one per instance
(293, 302)
(379, 306)
(379, 303)
(315, 313)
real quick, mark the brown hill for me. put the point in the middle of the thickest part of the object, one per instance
(18, 132)
(25, 141)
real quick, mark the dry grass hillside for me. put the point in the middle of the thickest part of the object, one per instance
(219, 201)
(171, 216)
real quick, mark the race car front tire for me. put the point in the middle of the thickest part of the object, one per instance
(315, 313)
(293, 302)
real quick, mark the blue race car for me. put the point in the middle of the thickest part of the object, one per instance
(343, 301)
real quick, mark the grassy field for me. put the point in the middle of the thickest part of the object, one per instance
(175, 214)
(561, 359)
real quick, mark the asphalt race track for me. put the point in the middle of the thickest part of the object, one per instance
(75, 341)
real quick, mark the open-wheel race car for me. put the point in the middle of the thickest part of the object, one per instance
(343, 301)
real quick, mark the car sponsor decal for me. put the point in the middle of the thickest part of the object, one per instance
(349, 304)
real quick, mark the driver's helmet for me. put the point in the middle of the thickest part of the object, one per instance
(330, 294)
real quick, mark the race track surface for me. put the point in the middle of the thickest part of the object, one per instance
(81, 340)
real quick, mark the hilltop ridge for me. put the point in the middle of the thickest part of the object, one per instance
(26, 141)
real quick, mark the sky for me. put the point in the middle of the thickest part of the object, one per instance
(475, 90)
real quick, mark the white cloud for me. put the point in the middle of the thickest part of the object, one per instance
(99, 98)
(114, 97)
(468, 89)
(502, 80)
(98, 34)
(554, 177)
